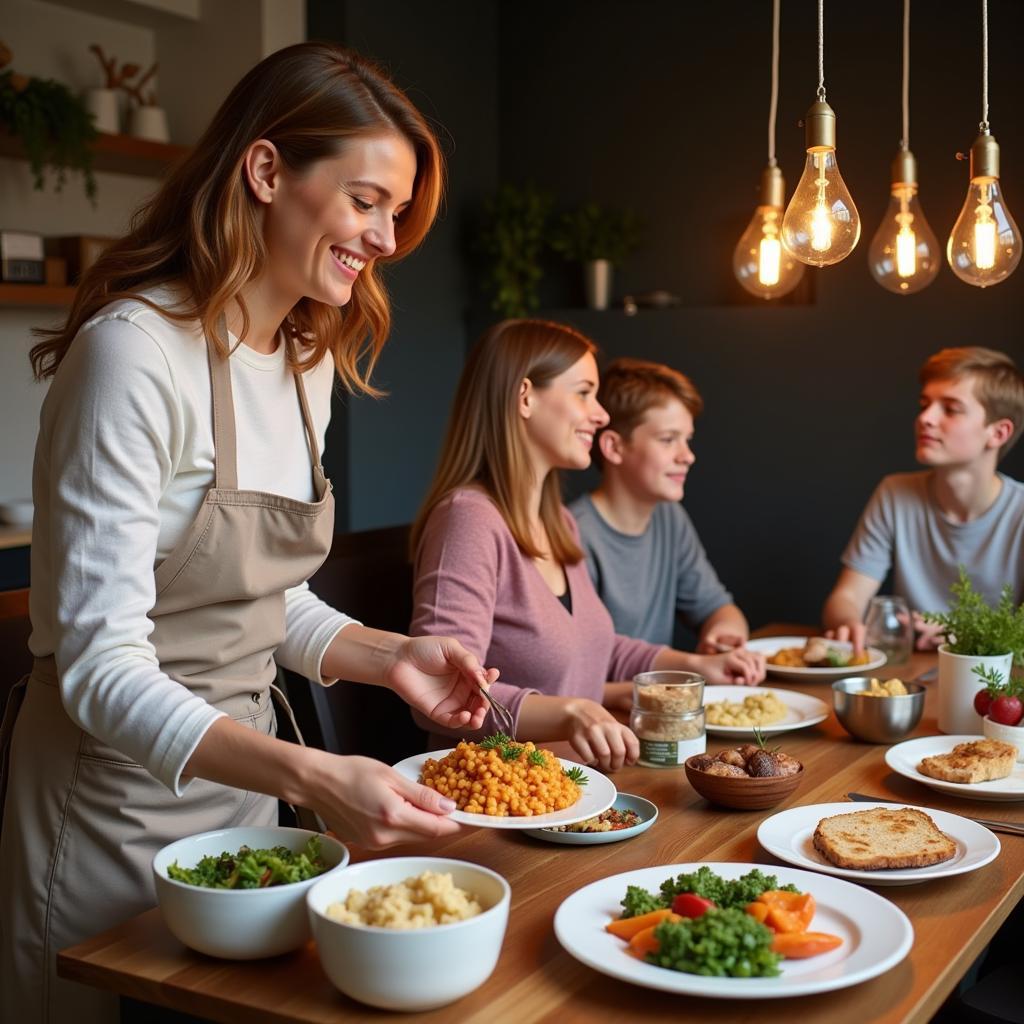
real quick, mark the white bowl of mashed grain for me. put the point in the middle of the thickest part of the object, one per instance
(409, 933)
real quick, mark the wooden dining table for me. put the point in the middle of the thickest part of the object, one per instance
(536, 980)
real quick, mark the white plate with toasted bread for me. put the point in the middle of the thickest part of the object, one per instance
(876, 936)
(789, 835)
(802, 710)
(771, 645)
(904, 758)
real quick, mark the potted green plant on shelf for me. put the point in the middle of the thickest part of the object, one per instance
(52, 124)
(980, 640)
(511, 237)
(600, 239)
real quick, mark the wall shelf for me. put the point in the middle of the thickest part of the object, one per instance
(122, 154)
(36, 295)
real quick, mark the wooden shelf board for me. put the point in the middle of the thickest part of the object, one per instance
(36, 295)
(122, 154)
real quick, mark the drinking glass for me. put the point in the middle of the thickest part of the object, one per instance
(889, 628)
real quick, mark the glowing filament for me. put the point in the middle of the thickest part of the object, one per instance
(821, 218)
(769, 258)
(906, 244)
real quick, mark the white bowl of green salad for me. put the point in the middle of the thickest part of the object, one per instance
(240, 893)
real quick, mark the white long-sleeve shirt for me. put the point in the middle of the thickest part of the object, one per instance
(124, 458)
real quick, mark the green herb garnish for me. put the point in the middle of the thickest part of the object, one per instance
(537, 758)
(510, 752)
(498, 740)
(577, 775)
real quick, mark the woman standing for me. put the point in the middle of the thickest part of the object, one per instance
(181, 505)
(498, 560)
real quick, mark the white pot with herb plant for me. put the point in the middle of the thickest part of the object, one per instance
(600, 239)
(982, 642)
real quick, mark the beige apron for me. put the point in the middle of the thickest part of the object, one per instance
(82, 822)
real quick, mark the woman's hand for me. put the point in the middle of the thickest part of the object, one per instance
(369, 803)
(439, 677)
(597, 737)
(741, 667)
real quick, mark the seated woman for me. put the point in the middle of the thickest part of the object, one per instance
(497, 555)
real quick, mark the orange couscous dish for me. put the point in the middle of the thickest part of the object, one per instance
(503, 778)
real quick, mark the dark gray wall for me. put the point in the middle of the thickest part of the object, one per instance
(382, 454)
(662, 106)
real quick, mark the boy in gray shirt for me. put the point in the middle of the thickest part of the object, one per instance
(960, 510)
(642, 550)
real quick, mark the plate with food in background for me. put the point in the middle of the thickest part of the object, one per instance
(878, 843)
(739, 710)
(500, 783)
(814, 658)
(973, 767)
(778, 932)
(627, 817)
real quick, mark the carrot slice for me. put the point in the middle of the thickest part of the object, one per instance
(781, 920)
(759, 911)
(627, 927)
(798, 945)
(643, 943)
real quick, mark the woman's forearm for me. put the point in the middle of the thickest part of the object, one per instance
(361, 655)
(680, 661)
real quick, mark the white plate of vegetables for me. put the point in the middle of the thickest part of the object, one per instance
(843, 935)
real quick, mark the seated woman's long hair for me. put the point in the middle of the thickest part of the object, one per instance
(485, 442)
(201, 228)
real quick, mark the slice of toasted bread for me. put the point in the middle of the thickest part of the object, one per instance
(882, 839)
(976, 761)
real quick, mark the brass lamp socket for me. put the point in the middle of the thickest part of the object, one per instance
(904, 168)
(984, 157)
(773, 187)
(820, 127)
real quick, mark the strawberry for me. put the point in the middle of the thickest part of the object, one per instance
(982, 702)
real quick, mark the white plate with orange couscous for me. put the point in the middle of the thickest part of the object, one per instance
(498, 783)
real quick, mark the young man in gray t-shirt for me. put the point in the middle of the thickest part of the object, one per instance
(642, 550)
(960, 511)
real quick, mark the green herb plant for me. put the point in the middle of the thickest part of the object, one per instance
(974, 628)
(511, 238)
(53, 125)
(593, 232)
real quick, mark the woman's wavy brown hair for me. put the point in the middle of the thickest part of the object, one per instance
(201, 228)
(485, 442)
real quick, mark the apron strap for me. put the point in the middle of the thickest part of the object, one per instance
(14, 701)
(305, 817)
(307, 416)
(225, 449)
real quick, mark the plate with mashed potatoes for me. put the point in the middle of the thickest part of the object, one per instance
(739, 710)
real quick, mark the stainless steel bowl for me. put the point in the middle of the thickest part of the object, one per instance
(876, 719)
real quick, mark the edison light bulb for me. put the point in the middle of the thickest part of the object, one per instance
(984, 246)
(821, 225)
(759, 262)
(904, 254)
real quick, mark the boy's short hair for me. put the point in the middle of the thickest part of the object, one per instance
(630, 387)
(999, 385)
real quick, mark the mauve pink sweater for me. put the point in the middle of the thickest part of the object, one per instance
(473, 583)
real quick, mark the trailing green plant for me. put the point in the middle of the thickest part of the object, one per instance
(53, 125)
(974, 628)
(512, 234)
(593, 232)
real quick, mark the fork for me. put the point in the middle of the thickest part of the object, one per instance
(1011, 828)
(505, 719)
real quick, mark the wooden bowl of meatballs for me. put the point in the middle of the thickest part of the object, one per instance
(747, 778)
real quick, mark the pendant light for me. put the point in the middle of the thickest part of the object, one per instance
(821, 225)
(759, 261)
(904, 254)
(984, 246)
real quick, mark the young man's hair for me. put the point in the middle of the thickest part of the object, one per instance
(631, 387)
(998, 384)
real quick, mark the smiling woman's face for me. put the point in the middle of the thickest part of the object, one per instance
(323, 227)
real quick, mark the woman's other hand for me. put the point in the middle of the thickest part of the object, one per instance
(597, 737)
(438, 677)
(369, 803)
